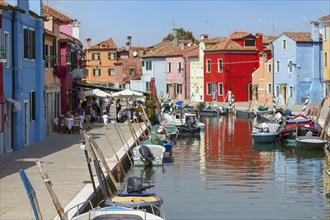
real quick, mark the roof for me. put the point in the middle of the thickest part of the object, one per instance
(162, 51)
(239, 35)
(109, 42)
(229, 45)
(195, 54)
(182, 52)
(268, 39)
(47, 10)
(66, 37)
(299, 36)
(325, 18)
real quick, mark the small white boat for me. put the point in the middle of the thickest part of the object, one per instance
(310, 142)
(148, 155)
(118, 212)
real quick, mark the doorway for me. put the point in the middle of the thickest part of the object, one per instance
(283, 90)
(8, 122)
(26, 123)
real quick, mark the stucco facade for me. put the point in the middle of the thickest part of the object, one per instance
(297, 67)
(325, 25)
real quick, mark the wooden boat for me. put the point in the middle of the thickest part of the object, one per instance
(265, 133)
(209, 111)
(310, 142)
(148, 155)
(299, 125)
(119, 212)
(164, 141)
(136, 196)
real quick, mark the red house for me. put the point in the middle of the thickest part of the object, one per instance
(229, 64)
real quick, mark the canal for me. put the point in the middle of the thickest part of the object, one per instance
(221, 174)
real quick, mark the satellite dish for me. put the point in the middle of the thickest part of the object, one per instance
(135, 53)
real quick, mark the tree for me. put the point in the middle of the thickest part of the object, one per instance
(182, 35)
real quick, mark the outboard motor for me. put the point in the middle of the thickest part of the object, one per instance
(134, 185)
(146, 155)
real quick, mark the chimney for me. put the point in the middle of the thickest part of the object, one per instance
(315, 31)
(175, 41)
(204, 36)
(259, 42)
(88, 43)
(128, 43)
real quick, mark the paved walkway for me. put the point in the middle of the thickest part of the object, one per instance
(65, 164)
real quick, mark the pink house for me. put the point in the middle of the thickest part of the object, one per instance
(178, 73)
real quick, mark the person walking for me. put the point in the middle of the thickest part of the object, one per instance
(118, 108)
(88, 111)
(105, 118)
(107, 104)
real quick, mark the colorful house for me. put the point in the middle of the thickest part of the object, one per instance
(154, 68)
(229, 64)
(129, 65)
(23, 71)
(197, 68)
(100, 63)
(178, 72)
(325, 23)
(297, 67)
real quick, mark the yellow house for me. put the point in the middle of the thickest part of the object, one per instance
(100, 59)
(325, 21)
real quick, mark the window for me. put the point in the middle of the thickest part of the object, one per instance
(208, 91)
(220, 67)
(269, 88)
(325, 32)
(103, 45)
(47, 56)
(111, 72)
(32, 106)
(168, 86)
(148, 65)
(283, 44)
(220, 89)
(269, 68)
(96, 72)
(96, 56)
(7, 52)
(29, 44)
(277, 66)
(325, 59)
(208, 66)
(142, 63)
(180, 67)
(169, 67)
(132, 71)
(249, 42)
(290, 66)
(111, 56)
(179, 88)
(277, 91)
(291, 91)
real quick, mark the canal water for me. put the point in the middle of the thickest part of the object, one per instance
(221, 174)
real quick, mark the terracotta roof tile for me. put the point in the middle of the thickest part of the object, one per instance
(162, 51)
(64, 36)
(109, 42)
(195, 54)
(325, 18)
(46, 10)
(239, 35)
(299, 36)
(182, 52)
(268, 39)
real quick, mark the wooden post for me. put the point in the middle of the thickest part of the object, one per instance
(148, 126)
(97, 168)
(48, 184)
(131, 129)
(325, 126)
(121, 135)
(118, 157)
(105, 164)
(320, 109)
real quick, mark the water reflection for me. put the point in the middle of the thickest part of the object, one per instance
(223, 175)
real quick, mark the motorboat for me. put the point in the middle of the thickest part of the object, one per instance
(148, 155)
(119, 212)
(180, 117)
(159, 139)
(136, 196)
(209, 111)
(265, 133)
(310, 142)
(172, 131)
(298, 125)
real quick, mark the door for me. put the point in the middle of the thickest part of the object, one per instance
(283, 90)
(8, 122)
(250, 92)
(26, 122)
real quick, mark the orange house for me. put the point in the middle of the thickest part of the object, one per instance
(100, 59)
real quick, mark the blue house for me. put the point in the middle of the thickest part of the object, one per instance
(23, 75)
(297, 67)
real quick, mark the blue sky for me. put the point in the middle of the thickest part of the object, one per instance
(149, 21)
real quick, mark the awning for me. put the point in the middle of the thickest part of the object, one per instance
(16, 105)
